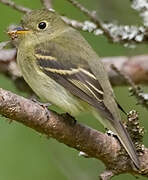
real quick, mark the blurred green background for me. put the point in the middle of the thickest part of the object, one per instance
(25, 154)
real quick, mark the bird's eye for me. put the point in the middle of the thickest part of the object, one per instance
(42, 25)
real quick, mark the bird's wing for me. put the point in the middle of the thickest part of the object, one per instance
(79, 81)
(66, 64)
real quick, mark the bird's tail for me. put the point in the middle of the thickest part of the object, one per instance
(117, 127)
(126, 141)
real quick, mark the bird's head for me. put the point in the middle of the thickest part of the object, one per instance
(38, 23)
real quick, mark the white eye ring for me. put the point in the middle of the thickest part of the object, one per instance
(42, 25)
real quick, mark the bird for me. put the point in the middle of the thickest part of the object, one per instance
(62, 68)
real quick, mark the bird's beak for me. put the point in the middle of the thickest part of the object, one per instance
(17, 31)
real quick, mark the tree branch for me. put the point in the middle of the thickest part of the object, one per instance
(135, 67)
(66, 130)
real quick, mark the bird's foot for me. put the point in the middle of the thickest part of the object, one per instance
(111, 133)
(44, 105)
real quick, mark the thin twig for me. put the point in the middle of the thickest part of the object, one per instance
(47, 3)
(84, 26)
(15, 6)
(126, 78)
(135, 90)
(118, 33)
(92, 16)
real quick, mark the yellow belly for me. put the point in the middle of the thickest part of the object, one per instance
(49, 90)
